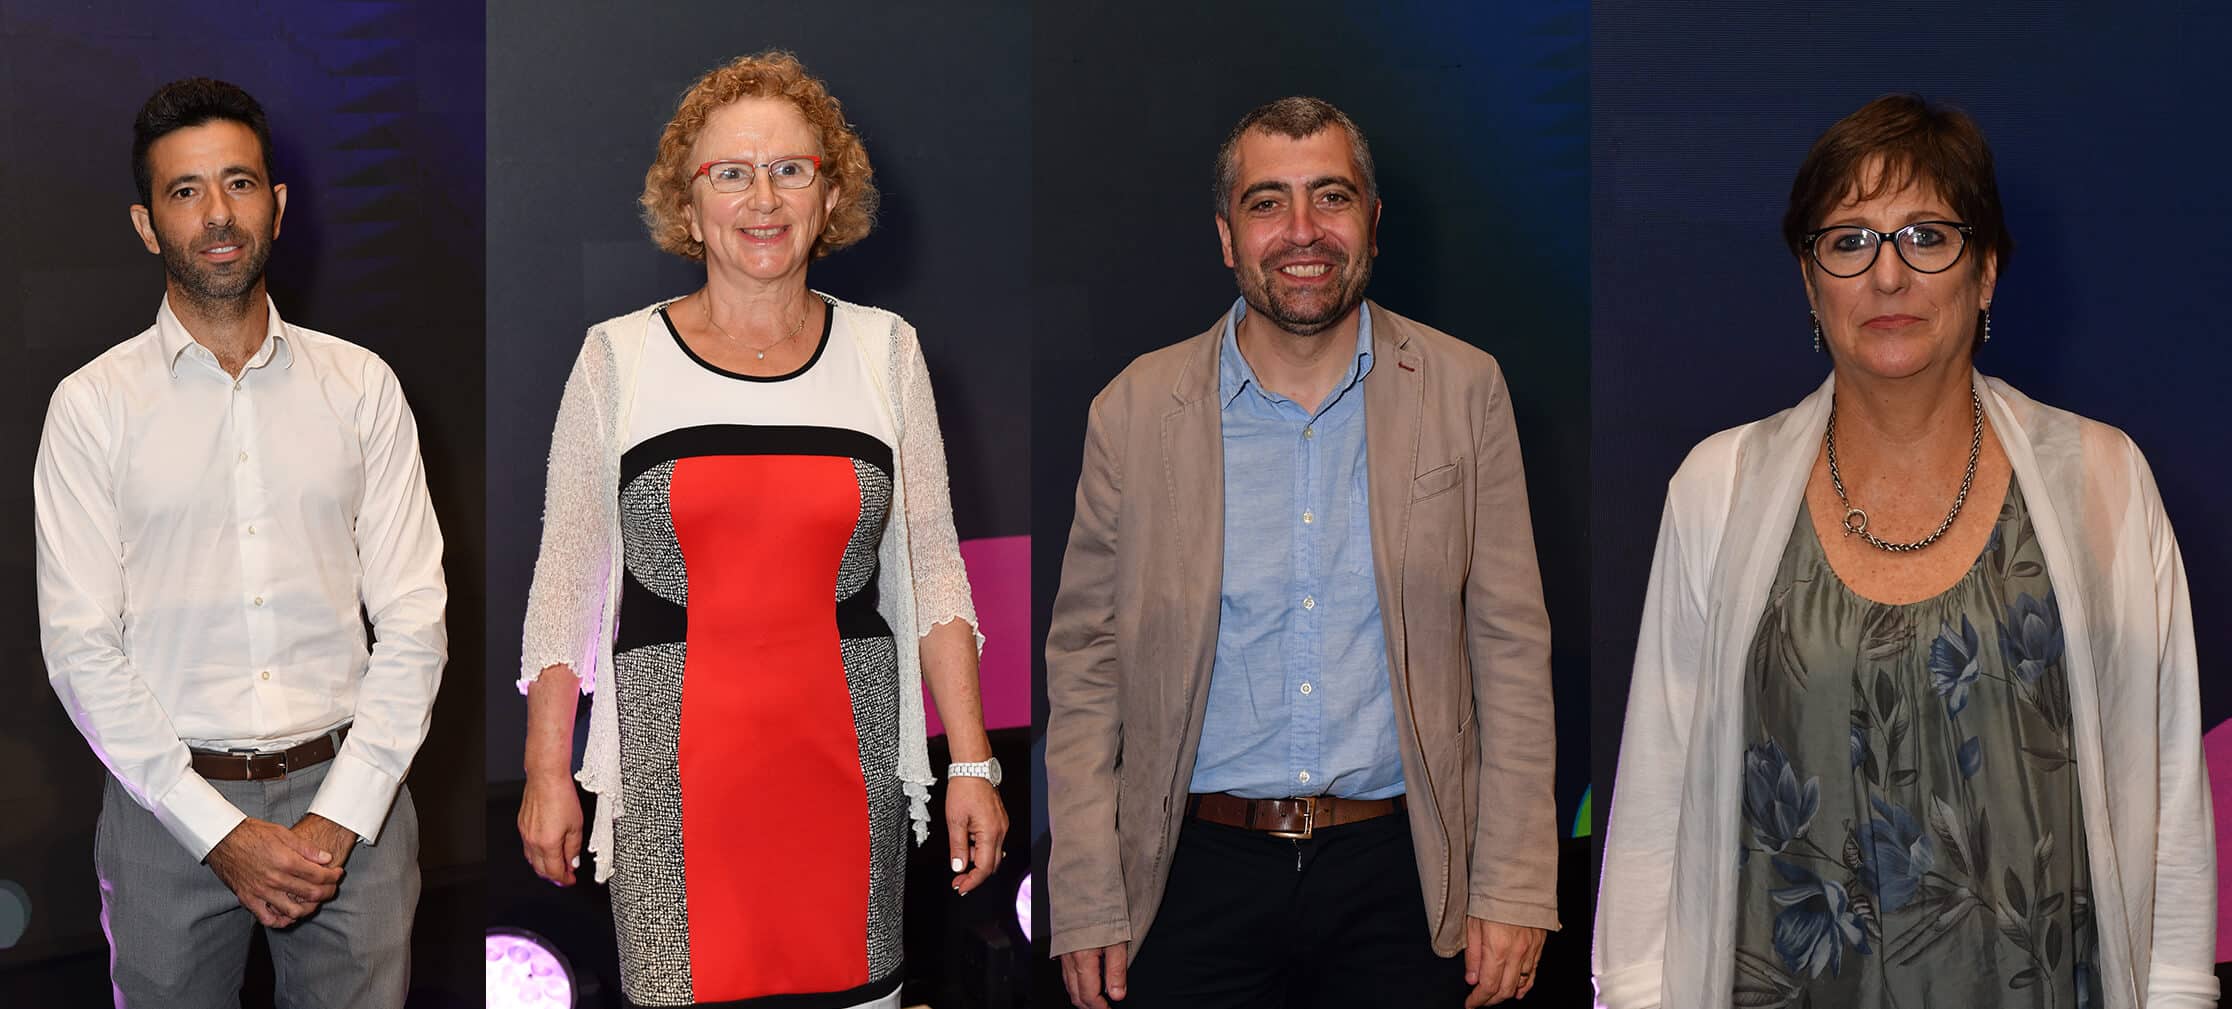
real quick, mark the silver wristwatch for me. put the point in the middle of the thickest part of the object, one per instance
(989, 770)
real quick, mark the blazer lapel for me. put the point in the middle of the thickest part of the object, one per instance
(1393, 396)
(1193, 477)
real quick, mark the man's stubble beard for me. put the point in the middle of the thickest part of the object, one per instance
(1257, 293)
(212, 292)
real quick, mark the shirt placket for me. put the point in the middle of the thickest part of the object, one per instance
(251, 534)
(1305, 721)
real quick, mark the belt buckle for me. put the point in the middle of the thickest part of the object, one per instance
(1309, 821)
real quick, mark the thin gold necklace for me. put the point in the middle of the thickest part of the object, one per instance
(706, 307)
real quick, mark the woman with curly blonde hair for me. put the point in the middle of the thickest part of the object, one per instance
(748, 556)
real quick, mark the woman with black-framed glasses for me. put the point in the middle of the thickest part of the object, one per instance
(1914, 717)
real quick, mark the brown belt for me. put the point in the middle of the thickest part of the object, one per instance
(222, 766)
(1290, 818)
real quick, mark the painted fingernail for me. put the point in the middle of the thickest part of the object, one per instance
(576, 863)
(958, 865)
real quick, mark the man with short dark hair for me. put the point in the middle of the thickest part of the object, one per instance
(1298, 666)
(219, 500)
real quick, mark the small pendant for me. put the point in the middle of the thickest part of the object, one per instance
(1855, 521)
(762, 355)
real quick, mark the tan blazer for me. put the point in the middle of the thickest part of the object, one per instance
(1134, 631)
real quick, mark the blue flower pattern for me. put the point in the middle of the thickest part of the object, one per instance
(1895, 853)
(1954, 666)
(2031, 637)
(1817, 921)
(1914, 872)
(1776, 806)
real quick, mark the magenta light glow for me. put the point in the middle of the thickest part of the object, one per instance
(1023, 906)
(525, 970)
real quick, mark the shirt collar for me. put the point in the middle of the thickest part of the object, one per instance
(176, 342)
(1234, 373)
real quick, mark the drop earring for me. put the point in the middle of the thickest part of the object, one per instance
(1817, 330)
(1987, 324)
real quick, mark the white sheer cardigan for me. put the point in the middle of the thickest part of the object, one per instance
(572, 606)
(1666, 911)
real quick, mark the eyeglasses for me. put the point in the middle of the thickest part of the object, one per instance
(1925, 246)
(795, 172)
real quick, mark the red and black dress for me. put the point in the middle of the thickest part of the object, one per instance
(759, 859)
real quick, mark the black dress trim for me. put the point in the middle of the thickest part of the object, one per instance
(829, 322)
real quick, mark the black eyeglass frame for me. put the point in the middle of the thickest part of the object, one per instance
(1812, 238)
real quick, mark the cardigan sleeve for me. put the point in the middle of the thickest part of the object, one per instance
(2183, 969)
(565, 603)
(941, 582)
(1632, 903)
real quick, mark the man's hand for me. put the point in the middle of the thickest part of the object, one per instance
(328, 836)
(976, 827)
(1499, 960)
(279, 876)
(1089, 973)
(550, 826)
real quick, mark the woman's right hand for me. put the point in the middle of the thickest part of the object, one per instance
(550, 826)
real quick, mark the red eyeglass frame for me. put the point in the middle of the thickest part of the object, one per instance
(759, 166)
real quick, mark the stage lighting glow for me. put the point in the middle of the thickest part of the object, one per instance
(525, 970)
(1023, 906)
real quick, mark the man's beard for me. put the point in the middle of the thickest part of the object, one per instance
(215, 286)
(1291, 314)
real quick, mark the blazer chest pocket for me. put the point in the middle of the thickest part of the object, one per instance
(1437, 480)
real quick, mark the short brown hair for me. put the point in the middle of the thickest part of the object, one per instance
(1919, 144)
(771, 74)
(1296, 118)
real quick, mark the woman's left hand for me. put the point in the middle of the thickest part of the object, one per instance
(976, 828)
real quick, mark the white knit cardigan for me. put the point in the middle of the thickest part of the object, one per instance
(1666, 909)
(573, 605)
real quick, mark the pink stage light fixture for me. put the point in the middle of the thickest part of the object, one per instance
(526, 972)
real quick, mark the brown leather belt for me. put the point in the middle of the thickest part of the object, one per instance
(1290, 818)
(220, 765)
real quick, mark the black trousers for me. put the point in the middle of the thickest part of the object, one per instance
(1255, 921)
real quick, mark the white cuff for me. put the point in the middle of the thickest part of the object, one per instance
(356, 795)
(197, 814)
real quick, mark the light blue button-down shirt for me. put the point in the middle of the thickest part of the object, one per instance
(1298, 696)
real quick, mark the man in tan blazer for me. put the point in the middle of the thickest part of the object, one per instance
(1298, 666)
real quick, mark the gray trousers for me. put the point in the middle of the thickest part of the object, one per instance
(178, 937)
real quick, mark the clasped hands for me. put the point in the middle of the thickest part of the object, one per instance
(281, 874)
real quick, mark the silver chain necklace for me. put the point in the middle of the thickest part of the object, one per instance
(1856, 521)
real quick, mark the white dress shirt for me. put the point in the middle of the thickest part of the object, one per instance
(204, 546)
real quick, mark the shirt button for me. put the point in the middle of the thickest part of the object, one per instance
(1305, 688)
(266, 674)
(1303, 777)
(251, 530)
(1308, 602)
(1308, 517)
(1309, 432)
(259, 600)
(243, 457)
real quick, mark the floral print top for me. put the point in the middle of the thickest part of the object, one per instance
(1912, 830)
